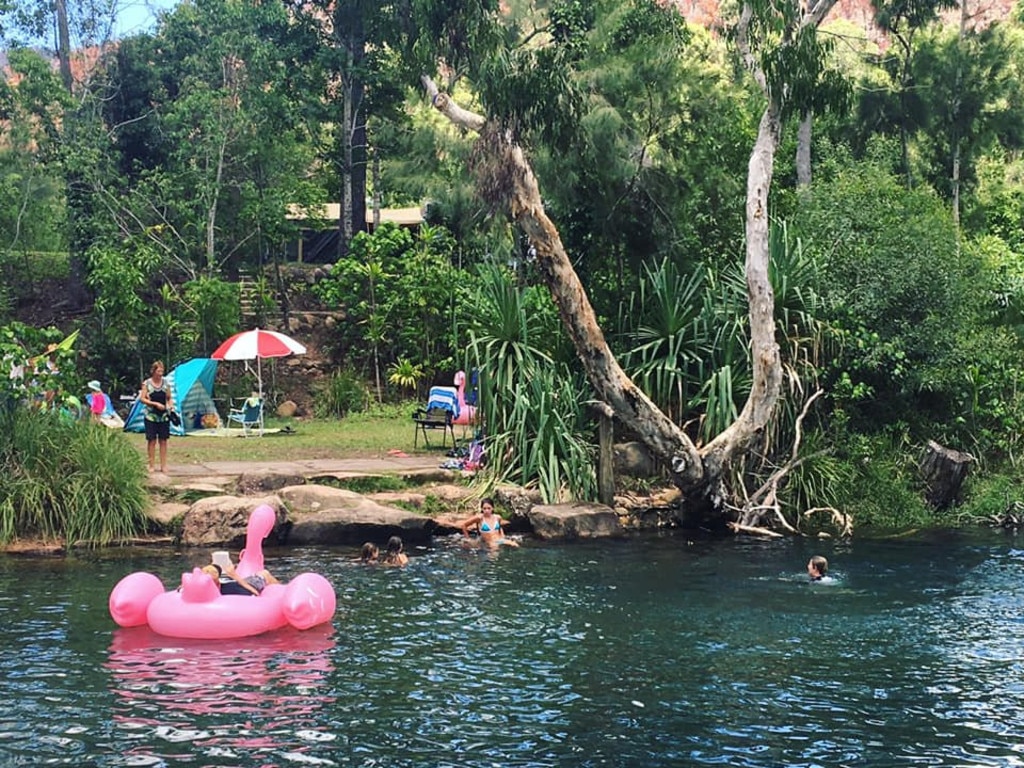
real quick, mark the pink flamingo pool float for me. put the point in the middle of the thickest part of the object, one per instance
(467, 413)
(198, 610)
(454, 399)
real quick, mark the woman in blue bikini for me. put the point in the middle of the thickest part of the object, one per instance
(487, 526)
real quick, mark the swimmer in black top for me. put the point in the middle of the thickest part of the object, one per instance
(817, 568)
(235, 584)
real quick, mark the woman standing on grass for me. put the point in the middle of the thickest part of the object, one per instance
(155, 394)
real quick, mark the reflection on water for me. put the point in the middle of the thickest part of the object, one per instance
(659, 651)
(263, 693)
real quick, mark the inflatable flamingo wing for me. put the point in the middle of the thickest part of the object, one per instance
(309, 600)
(130, 598)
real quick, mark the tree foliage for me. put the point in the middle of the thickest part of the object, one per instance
(640, 154)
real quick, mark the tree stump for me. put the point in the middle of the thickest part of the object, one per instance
(944, 471)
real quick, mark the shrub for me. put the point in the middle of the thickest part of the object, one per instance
(878, 484)
(991, 498)
(67, 480)
(343, 393)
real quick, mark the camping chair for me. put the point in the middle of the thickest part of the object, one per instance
(249, 416)
(441, 411)
(433, 418)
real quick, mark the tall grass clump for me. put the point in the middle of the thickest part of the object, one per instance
(67, 480)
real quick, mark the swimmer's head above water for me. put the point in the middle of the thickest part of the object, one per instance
(817, 568)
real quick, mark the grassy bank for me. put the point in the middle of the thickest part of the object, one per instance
(357, 436)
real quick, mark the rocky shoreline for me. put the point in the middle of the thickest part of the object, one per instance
(317, 503)
(321, 511)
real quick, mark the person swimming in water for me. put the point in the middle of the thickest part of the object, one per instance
(487, 525)
(817, 568)
(369, 554)
(395, 554)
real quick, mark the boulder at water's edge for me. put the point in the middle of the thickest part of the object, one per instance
(574, 521)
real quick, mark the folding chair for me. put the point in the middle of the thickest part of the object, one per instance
(434, 418)
(249, 416)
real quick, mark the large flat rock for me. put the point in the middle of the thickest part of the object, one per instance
(358, 521)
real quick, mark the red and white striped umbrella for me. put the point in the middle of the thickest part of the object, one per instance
(255, 345)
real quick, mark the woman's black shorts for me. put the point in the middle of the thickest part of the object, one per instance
(158, 430)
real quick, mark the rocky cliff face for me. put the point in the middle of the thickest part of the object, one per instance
(980, 13)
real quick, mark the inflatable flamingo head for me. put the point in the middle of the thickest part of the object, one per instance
(261, 523)
(199, 587)
(460, 378)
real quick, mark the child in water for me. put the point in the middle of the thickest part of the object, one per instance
(369, 554)
(395, 554)
(817, 568)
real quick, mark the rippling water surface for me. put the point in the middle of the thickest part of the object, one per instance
(655, 651)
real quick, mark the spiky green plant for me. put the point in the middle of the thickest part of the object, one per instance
(533, 408)
(548, 444)
(73, 481)
(405, 374)
(504, 332)
(687, 337)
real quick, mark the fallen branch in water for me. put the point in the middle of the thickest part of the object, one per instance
(753, 529)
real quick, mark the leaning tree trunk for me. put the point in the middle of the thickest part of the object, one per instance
(508, 178)
(513, 174)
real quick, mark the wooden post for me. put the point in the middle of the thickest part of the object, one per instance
(606, 460)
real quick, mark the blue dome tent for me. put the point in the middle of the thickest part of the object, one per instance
(191, 386)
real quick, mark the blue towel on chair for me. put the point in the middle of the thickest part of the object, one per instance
(444, 397)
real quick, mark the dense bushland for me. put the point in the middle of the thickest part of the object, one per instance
(896, 266)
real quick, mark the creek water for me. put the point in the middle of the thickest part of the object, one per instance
(649, 651)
